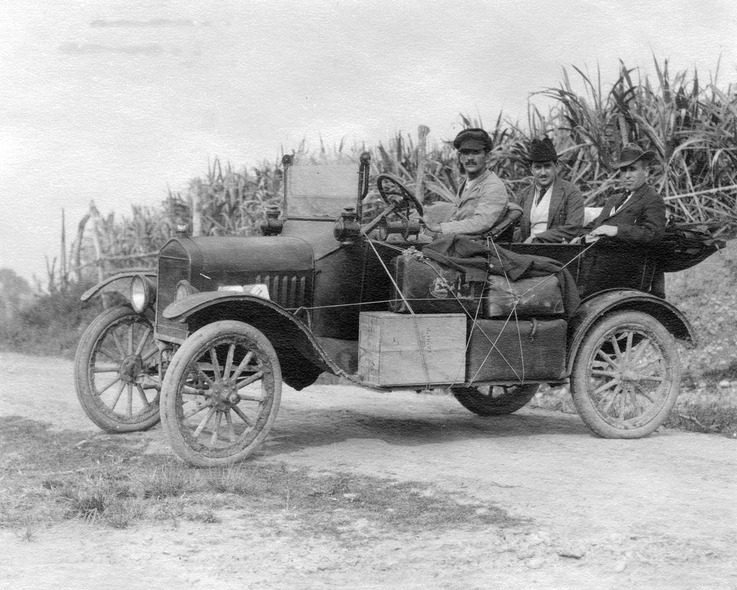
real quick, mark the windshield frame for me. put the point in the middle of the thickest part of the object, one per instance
(359, 190)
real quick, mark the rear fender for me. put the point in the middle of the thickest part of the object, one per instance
(606, 302)
(301, 356)
(119, 283)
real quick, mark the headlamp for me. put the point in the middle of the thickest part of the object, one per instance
(184, 289)
(142, 293)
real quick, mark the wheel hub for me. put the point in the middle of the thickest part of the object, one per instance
(224, 396)
(131, 368)
(628, 375)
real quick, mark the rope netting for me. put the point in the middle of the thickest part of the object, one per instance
(473, 315)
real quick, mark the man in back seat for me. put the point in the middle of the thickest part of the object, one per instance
(482, 197)
(635, 217)
(553, 208)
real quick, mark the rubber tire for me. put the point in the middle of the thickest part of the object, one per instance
(93, 406)
(191, 350)
(599, 333)
(515, 398)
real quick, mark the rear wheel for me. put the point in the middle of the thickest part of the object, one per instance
(118, 371)
(221, 394)
(626, 375)
(495, 400)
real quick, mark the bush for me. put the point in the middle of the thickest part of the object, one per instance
(52, 324)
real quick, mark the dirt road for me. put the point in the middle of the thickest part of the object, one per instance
(659, 512)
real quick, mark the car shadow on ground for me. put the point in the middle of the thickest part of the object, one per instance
(295, 430)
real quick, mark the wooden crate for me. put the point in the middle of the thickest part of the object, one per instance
(399, 349)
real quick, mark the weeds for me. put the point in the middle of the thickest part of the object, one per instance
(99, 489)
(201, 514)
(50, 324)
(168, 482)
(122, 514)
(243, 481)
(29, 526)
(87, 505)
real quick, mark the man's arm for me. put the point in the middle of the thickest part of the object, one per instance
(651, 226)
(490, 208)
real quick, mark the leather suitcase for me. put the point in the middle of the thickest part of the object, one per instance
(533, 297)
(502, 350)
(429, 287)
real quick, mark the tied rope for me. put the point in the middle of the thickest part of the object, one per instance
(473, 317)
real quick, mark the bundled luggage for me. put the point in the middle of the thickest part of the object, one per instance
(427, 286)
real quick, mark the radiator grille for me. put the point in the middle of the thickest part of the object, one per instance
(289, 291)
(171, 271)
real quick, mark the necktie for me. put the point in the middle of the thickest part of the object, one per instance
(539, 197)
(619, 202)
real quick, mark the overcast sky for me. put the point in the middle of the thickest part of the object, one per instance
(117, 100)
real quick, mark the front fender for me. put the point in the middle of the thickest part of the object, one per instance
(119, 283)
(301, 356)
(601, 304)
(182, 309)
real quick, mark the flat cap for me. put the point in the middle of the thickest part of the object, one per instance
(472, 139)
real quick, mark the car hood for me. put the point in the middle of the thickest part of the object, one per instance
(218, 255)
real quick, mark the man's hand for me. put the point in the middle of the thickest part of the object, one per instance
(433, 227)
(605, 230)
(596, 234)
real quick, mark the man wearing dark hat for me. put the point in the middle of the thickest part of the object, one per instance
(552, 208)
(482, 196)
(637, 216)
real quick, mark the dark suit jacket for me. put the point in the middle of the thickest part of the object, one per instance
(642, 219)
(565, 216)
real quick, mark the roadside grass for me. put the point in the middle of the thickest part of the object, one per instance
(48, 476)
(50, 325)
(705, 295)
(708, 408)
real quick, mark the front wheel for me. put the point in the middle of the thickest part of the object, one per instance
(221, 394)
(626, 375)
(495, 400)
(118, 371)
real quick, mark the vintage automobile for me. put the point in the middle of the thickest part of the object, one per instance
(206, 342)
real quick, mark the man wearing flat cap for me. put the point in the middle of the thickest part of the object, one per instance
(637, 216)
(482, 197)
(552, 208)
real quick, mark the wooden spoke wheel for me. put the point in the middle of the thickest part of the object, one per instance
(118, 371)
(626, 375)
(221, 394)
(495, 400)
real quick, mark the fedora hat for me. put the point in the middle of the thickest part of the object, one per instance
(472, 139)
(631, 153)
(542, 150)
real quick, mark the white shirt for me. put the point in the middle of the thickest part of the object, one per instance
(539, 212)
(622, 205)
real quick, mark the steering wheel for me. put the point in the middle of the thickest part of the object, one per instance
(397, 189)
